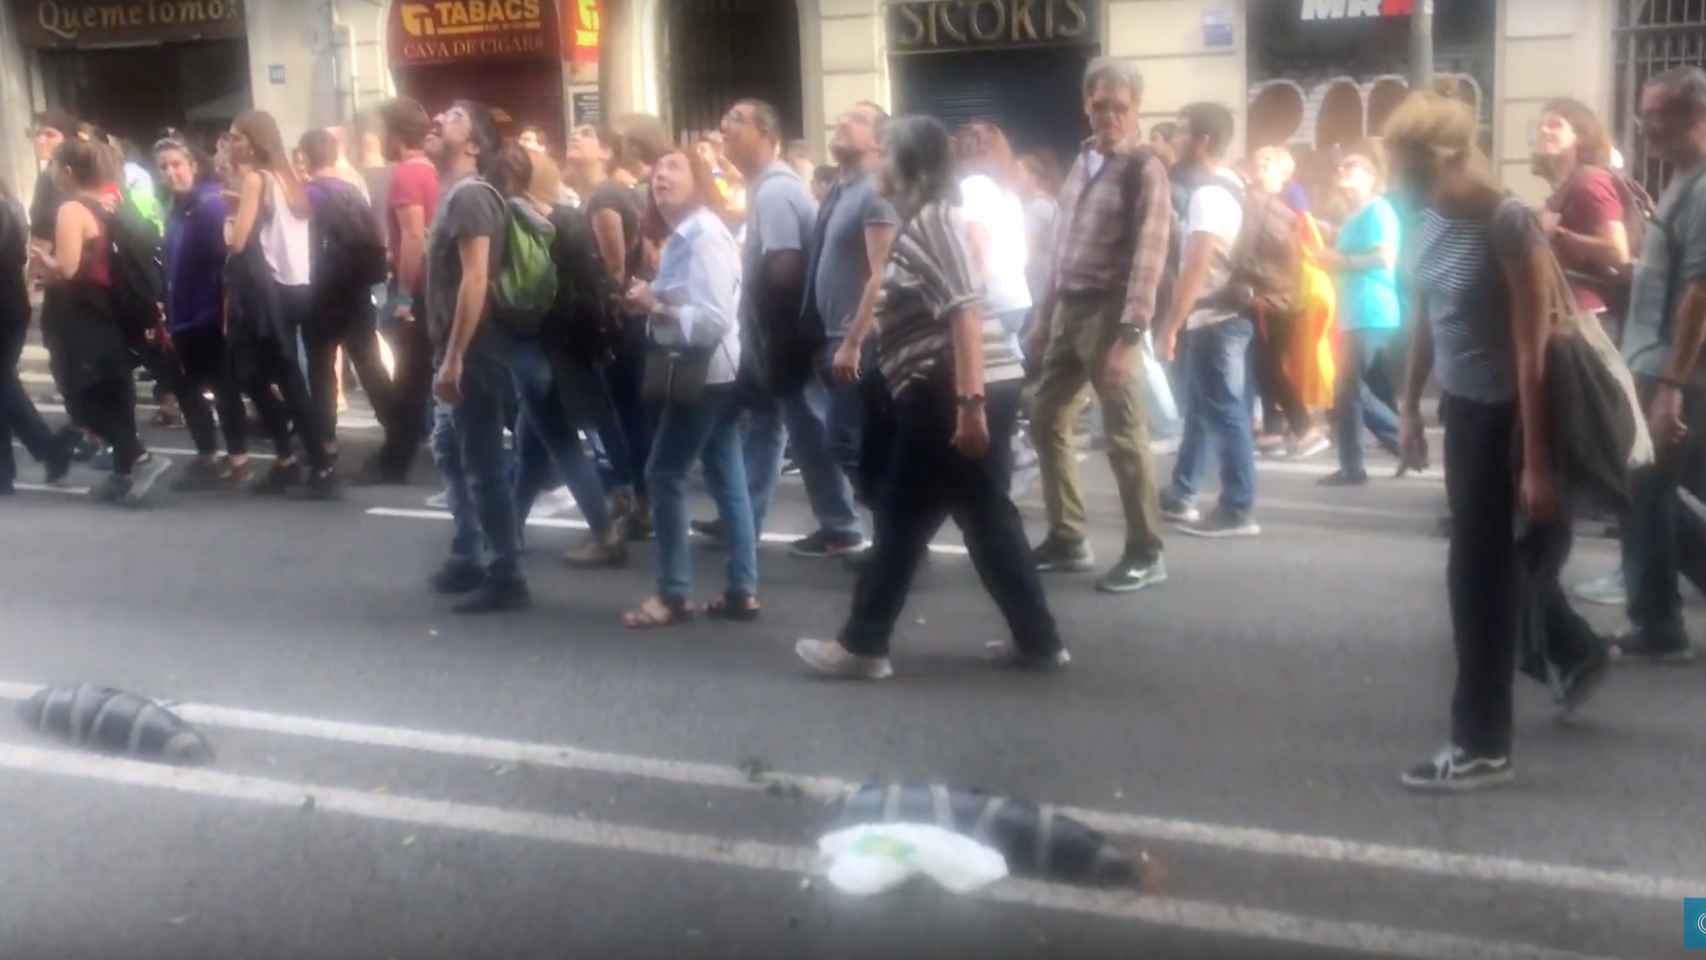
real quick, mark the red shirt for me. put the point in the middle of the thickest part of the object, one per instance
(414, 183)
(1585, 204)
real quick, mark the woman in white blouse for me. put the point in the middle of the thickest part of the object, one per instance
(995, 221)
(693, 326)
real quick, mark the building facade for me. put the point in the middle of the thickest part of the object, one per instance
(134, 66)
(1304, 72)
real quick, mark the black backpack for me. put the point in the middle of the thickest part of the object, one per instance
(137, 267)
(583, 322)
(348, 255)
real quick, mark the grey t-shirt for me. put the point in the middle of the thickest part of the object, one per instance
(780, 215)
(469, 208)
(843, 267)
(1681, 227)
(1461, 282)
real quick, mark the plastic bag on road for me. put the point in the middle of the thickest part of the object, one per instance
(875, 857)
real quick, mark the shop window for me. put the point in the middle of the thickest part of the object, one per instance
(718, 51)
(1276, 114)
(1339, 119)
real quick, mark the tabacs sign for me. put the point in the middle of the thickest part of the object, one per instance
(1356, 9)
(940, 26)
(92, 23)
(448, 31)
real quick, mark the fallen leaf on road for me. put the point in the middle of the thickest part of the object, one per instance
(432, 633)
(921, 622)
(501, 769)
(409, 840)
(179, 920)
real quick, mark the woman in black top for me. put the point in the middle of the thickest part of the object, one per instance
(18, 416)
(90, 356)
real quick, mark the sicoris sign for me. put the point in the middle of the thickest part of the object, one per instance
(933, 26)
(449, 31)
(95, 23)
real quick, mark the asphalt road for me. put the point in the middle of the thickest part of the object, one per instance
(395, 781)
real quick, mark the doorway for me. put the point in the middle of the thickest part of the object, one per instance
(718, 51)
(1034, 95)
(133, 92)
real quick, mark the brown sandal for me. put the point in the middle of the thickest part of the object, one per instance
(658, 612)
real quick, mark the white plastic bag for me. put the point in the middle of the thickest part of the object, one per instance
(875, 857)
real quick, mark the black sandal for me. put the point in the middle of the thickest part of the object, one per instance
(736, 606)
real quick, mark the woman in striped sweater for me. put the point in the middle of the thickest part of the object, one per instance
(954, 378)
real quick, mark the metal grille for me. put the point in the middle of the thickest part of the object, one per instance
(1652, 36)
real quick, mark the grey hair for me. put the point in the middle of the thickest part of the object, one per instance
(1108, 70)
(1685, 85)
(764, 117)
(918, 164)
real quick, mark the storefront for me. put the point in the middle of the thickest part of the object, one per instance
(513, 55)
(136, 67)
(719, 51)
(1017, 63)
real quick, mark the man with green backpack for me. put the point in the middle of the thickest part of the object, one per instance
(477, 297)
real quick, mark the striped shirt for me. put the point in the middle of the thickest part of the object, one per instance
(929, 279)
(1464, 295)
(1115, 224)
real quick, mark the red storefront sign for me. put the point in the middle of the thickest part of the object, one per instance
(586, 26)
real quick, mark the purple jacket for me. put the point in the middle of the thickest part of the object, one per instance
(195, 260)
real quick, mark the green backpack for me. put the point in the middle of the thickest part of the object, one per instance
(524, 286)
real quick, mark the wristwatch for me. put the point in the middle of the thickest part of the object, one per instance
(968, 401)
(1130, 335)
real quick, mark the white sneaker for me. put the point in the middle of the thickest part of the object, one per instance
(557, 503)
(832, 659)
(144, 474)
(1606, 591)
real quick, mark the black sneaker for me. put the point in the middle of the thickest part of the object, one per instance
(456, 577)
(823, 545)
(83, 449)
(1177, 509)
(496, 596)
(323, 485)
(144, 474)
(1134, 573)
(1223, 524)
(710, 529)
(1454, 771)
(1059, 556)
(377, 473)
(1343, 478)
(102, 459)
(59, 458)
(1579, 685)
(1652, 646)
(277, 481)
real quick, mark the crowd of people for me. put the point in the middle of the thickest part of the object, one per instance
(904, 325)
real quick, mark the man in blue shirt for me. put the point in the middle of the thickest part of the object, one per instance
(1364, 260)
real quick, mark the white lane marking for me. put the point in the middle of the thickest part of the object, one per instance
(949, 549)
(50, 488)
(1305, 506)
(1314, 847)
(1200, 917)
(346, 421)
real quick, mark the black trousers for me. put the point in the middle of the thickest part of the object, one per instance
(927, 480)
(1502, 577)
(273, 363)
(108, 407)
(18, 415)
(203, 366)
(350, 327)
(410, 396)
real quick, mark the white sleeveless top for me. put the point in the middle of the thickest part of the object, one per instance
(284, 238)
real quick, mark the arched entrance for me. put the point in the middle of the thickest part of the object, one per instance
(717, 51)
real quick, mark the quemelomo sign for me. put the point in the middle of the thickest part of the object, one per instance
(94, 23)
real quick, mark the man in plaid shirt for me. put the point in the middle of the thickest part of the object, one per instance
(1115, 222)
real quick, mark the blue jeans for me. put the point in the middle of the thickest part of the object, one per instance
(1663, 539)
(1218, 412)
(544, 428)
(706, 431)
(803, 418)
(468, 446)
(1356, 404)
